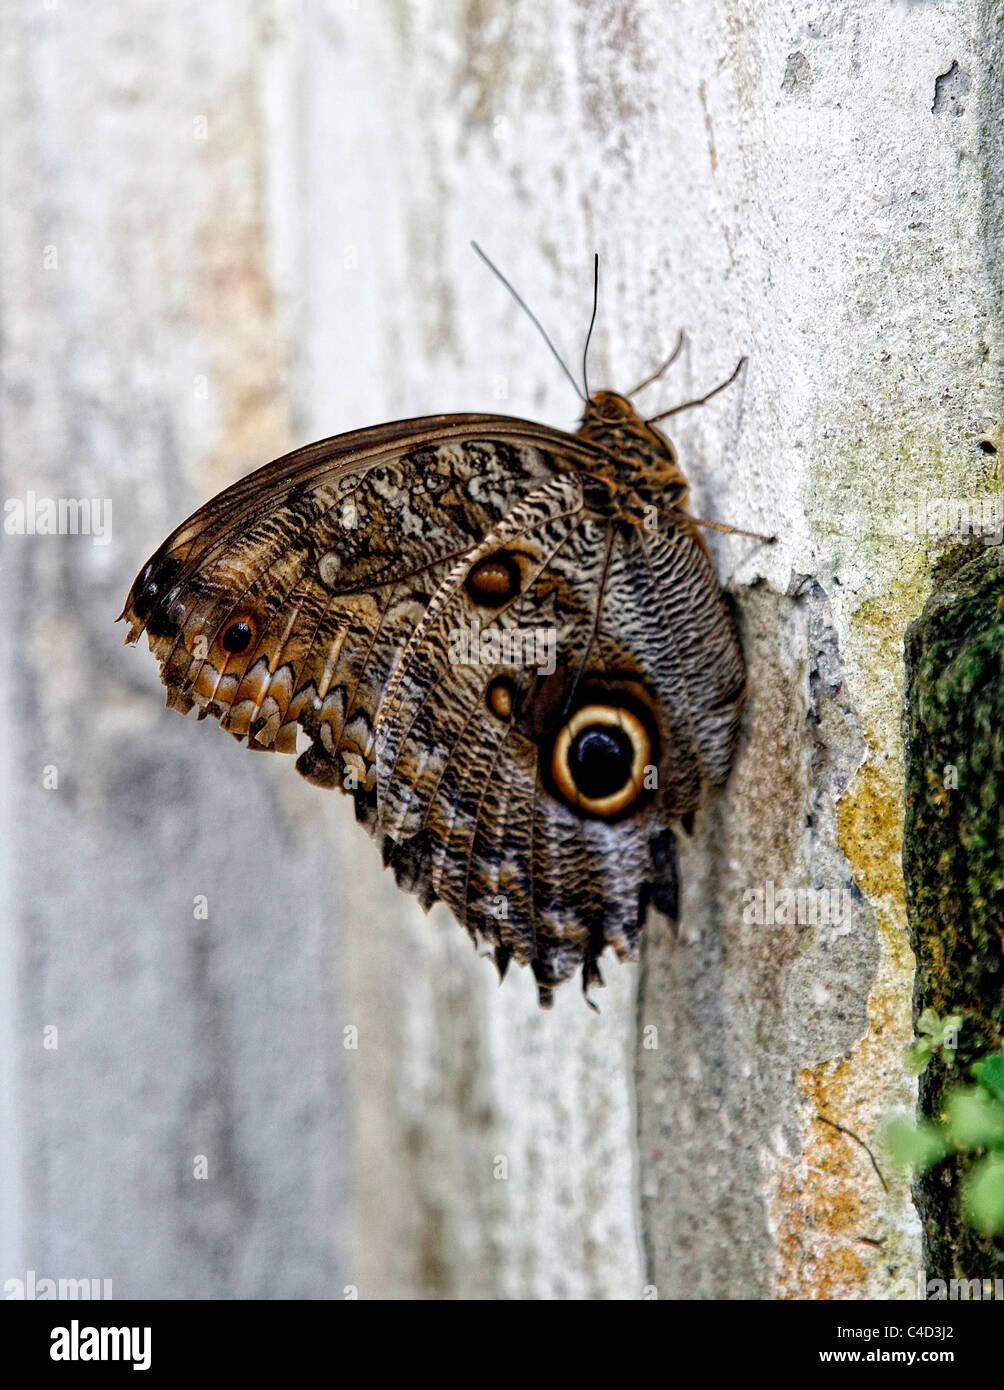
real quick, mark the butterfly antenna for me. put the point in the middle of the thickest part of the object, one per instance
(596, 297)
(532, 317)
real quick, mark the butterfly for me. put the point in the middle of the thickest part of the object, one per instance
(506, 642)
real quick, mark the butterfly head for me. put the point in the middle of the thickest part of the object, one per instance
(641, 457)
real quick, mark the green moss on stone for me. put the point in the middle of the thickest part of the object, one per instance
(953, 856)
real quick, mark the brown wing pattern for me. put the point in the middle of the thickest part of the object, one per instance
(329, 557)
(326, 593)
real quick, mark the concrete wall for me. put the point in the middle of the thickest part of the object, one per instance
(228, 229)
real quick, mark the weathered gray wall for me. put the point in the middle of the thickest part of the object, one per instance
(260, 217)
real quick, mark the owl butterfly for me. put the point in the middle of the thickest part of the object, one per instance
(506, 642)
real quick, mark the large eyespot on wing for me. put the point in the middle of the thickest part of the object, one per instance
(601, 757)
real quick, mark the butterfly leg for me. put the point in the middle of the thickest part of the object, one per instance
(700, 400)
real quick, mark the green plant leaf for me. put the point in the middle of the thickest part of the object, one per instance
(933, 1032)
(974, 1119)
(918, 1054)
(989, 1072)
(983, 1195)
(929, 1023)
(916, 1145)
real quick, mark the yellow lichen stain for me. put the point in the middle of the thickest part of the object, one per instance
(870, 831)
(837, 1230)
(838, 1233)
(812, 1260)
(870, 814)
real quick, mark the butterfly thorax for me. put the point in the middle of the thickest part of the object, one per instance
(640, 466)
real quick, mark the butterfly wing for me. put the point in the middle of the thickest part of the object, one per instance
(283, 600)
(320, 593)
(635, 632)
